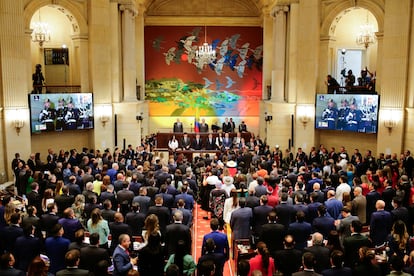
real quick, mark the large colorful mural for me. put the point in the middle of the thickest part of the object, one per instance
(178, 85)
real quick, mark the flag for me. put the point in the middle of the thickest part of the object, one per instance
(196, 126)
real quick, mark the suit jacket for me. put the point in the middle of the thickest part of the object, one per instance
(321, 254)
(380, 226)
(240, 222)
(174, 233)
(387, 195)
(351, 245)
(70, 226)
(35, 199)
(285, 213)
(111, 196)
(260, 214)
(118, 228)
(188, 199)
(185, 144)
(178, 127)
(136, 222)
(91, 255)
(187, 216)
(227, 143)
(108, 215)
(163, 215)
(359, 204)
(197, 145)
(144, 203)
(56, 248)
(64, 201)
(25, 249)
(221, 242)
(168, 200)
(125, 195)
(211, 144)
(288, 261)
(121, 262)
(273, 235)
(9, 234)
(301, 231)
(323, 225)
(12, 272)
(73, 272)
(372, 198)
(343, 271)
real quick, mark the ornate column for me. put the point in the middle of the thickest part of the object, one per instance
(327, 57)
(81, 56)
(279, 50)
(129, 69)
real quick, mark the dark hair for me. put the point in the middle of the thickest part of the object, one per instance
(308, 259)
(205, 268)
(72, 257)
(180, 252)
(300, 216)
(264, 252)
(357, 225)
(173, 270)
(4, 260)
(94, 238)
(214, 224)
(243, 267)
(396, 263)
(337, 258)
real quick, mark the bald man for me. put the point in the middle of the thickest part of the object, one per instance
(320, 252)
(381, 223)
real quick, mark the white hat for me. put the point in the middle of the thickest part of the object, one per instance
(343, 155)
(228, 180)
(277, 146)
(231, 164)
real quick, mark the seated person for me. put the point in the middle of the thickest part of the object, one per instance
(173, 144)
(185, 142)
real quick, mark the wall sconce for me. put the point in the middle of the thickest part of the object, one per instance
(305, 114)
(268, 118)
(139, 117)
(18, 124)
(104, 113)
(390, 119)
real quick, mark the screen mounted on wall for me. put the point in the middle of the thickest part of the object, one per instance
(355, 113)
(61, 112)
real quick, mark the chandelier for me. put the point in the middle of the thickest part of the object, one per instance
(205, 53)
(41, 32)
(366, 35)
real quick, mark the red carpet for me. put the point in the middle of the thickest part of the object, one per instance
(200, 228)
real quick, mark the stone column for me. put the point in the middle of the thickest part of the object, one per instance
(279, 50)
(81, 56)
(292, 53)
(140, 53)
(327, 57)
(129, 68)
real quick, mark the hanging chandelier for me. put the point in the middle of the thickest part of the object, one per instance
(41, 32)
(366, 35)
(205, 53)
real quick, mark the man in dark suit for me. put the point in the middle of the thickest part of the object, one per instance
(107, 212)
(92, 256)
(34, 198)
(308, 261)
(72, 262)
(48, 220)
(226, 126)
(178, 126)
(10, 233)
(400, 213)
(188, 199)
(187, 214)
(285, 212)
(70, 224)
(273, 233)
(121, 259)
(56, 246)
(175, 232)
(210, 142)
(301, 230)
(220, 239)
(372, 197)
(353, 243)
(203, 126)
(227, 142)
(168, 199)
(388, 194)
(197, 143)
(63, 201)
(320, 252)
(241, 220)
(260, 216)
(125, 196)
(381, 223)
(32, 219)
(109, 194)
(143, 200)
(288, 260)
(162, 213)
(135, 219)
(323, 223)
(185, 142)
(6, 266)
(117, 228)
(337, 269)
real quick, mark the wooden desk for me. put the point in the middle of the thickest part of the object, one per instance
(163, 137)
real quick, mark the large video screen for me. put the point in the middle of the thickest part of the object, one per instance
(60, 112)
(356, 113)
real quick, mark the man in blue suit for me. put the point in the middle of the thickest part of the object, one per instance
(188, 199)
(26, 248)
(56, 248)
(220, 239)
(301, 230)
(381, 223)
(122, 261)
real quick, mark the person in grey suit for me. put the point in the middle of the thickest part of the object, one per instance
(72, 258)
(344, 225)
(308, 260)
(359, 205)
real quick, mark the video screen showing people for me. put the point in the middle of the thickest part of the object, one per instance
(356, 113)
(59, 112)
